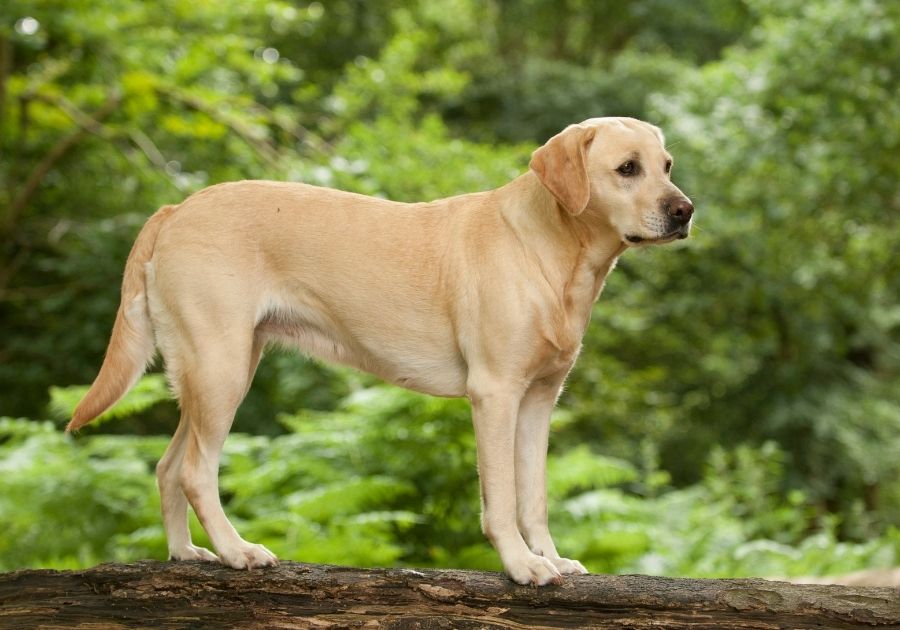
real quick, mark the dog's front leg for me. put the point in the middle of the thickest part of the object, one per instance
(495, 408)
(532, 432)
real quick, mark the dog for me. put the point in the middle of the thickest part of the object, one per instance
(484, 295)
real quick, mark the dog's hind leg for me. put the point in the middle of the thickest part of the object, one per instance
(173, 502)
(168, 472)
(212, 384)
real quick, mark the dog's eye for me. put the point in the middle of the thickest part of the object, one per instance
(627, 168)
(668, 166)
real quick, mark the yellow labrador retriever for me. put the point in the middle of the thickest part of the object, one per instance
(485, 295)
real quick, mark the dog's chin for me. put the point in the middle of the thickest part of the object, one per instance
(636, 240)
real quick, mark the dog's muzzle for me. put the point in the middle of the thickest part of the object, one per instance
(677, 212)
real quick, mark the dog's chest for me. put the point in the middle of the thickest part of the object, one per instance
(564, 328)
(557, 351)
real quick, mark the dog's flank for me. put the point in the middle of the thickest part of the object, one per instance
(485, 295)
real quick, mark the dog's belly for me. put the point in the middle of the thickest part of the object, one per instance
(429, 363)
(431, 376)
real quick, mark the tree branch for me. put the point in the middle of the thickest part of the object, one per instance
(54, 155)
(294, 595)
(263, 148)
(6, 59)
(300, 133)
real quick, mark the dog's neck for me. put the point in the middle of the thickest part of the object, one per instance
(575, 254)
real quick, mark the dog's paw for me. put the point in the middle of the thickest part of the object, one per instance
(534, 569)
(566, 566)
(247, 556)
(192, 552)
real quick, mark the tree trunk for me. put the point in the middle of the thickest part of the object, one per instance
(294, 595)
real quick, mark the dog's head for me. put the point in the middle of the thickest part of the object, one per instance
(617, 171)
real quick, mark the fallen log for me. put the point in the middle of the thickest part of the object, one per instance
(295, 595)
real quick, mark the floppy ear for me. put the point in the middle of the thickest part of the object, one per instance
(561, 165)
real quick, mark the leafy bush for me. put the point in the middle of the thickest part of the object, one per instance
(736, 402)
(779, 321)
(390, 479)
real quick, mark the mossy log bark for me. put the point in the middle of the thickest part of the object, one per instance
(294, 595)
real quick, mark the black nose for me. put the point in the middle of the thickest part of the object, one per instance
(679, 208)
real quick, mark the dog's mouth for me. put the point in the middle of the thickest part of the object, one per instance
(680, 233)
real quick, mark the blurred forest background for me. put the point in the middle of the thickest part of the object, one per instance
(736, 408)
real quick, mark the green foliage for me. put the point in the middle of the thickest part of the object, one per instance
(736, 406)
(389, 478)
(150, 390)
(52, 511)
(781, 320)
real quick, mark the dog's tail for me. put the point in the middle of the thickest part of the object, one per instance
(131, 346)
